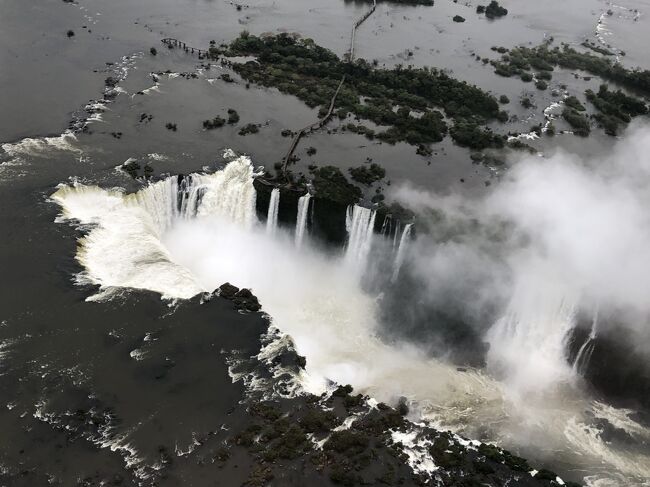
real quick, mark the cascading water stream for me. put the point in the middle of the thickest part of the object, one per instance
(359, 223)
(386, 226)
(301, 220)
(272, 215)
(584, 354)
(403, 244)
(124, 249)
(398, 227)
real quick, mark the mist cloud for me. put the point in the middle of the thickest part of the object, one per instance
(557, 236)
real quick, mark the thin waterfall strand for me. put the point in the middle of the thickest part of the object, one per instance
(398, 226)
(403, 244)
(301, 221)
(584, 354)
(272, 216)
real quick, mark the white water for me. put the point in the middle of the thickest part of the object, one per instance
(125, 248)
(301, 221)
(398, 227)
(183, 245)
(584, 354)
(528, 344)
(272, 216)
(401, 251)
(41, 147)
(359, 223)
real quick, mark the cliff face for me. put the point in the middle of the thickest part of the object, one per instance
(291, 437)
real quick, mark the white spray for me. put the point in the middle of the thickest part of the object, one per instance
(272, 215)
(401, 250)
(301, 221)
(359, 223)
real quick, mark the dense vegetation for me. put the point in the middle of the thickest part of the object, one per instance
(573, 102)
(367, 174)
(520, 61)
(577, 120)
(615, 107)
(249, 128)
(215, 123)
(233, 116)
(403, 100)
(331, 184)
(493, 10)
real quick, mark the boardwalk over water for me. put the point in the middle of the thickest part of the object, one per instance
(175, 43)
(320, 123)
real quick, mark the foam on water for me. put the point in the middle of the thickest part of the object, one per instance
(181, 238)
(41, 147)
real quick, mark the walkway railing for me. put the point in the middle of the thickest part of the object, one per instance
(171, 42)
(321, 123)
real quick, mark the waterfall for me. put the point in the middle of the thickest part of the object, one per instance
(398, 226)
(301, 221)
(230, 193)
(124, 247)
(385, 227)
(584, 354)
(399, 258)
(528, 344)
(272, 216)
(190, 193)
(359, 223)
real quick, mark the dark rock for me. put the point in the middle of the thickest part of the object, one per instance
(243, 299)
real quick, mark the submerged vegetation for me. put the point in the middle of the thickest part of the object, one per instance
(614, 107)
(405, 101)
(521, 60)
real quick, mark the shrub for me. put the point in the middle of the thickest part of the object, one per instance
(233, 116)
(578, 122)
(494, 10)
(216, 122)
(249, 128)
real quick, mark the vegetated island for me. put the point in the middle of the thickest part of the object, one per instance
(492, 11)
(614, 107)
(404, 100)
(543, 58)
